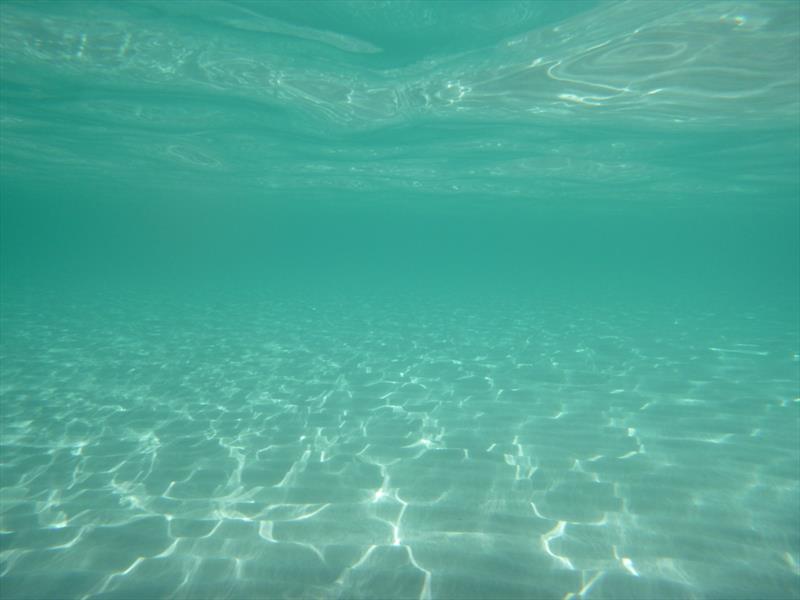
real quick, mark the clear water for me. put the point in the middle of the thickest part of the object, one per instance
(400, 300)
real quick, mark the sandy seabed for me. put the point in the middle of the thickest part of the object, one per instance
(287, 449)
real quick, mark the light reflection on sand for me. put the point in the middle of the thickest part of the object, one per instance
(282, 452)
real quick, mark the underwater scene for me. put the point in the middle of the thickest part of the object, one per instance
(430, 300)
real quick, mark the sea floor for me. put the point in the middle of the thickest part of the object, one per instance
(374, 449)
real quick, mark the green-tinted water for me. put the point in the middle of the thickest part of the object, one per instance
(400, 300)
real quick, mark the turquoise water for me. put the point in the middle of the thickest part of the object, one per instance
(388, 300)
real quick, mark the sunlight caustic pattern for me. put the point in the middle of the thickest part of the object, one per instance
(248, 456)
